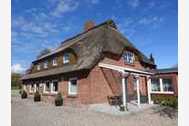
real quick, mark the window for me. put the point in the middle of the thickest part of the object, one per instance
(72, 87)
(55, 86)
(128, 57)
(37, 87)
(167, 84)
(32, 88)
(66, 58)
(155, 84)
(38, 67)
(54, 62)
(45, 65)
(47, 87)
(161, 85)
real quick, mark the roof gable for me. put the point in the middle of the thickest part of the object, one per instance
(90, 45)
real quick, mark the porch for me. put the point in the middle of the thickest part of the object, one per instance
(123, 100)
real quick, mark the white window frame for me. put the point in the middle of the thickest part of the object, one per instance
(52, 86)
(152, 84)
(65, 61)
(45, 65)
(126, 55)
(32, 90)
(161, 89)
(54, 62)
(163, 84)
(45, 86)
(69, 86)
(38, 67)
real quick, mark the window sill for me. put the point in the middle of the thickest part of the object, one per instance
(158, 92)
(130, 64)
(72, 95)
(50, 93)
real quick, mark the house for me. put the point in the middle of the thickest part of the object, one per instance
(94, 65)
(165, 82)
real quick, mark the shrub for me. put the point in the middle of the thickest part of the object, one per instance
(165, 100)
(59, 99)
(143, 99)
(37, 96)
(23, 94)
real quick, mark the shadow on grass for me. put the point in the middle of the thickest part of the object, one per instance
(166, 111)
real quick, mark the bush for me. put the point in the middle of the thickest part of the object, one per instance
(23, 94)
(165, 100)
(143, 99)
(37, 96)
(59, 99)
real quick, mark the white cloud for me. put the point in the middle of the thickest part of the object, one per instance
(130, 25)
(28, 27)
(17, 68)
(134, 3)
(64, 6)
(150, 20)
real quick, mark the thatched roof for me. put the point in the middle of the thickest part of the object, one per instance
(89, 47)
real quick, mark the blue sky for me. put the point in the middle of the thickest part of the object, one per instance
(151, 25)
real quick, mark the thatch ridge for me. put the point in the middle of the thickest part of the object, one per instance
(89, 47)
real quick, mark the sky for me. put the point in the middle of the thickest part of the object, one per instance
(151, 25)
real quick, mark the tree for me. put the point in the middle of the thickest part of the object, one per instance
(15, 80)
(43, 52)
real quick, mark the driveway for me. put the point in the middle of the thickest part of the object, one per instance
(27, 113)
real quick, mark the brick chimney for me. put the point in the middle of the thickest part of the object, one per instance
(88, 25)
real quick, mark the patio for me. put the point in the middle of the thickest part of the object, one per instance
(27, 113)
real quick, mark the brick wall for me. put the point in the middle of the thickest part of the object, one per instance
(96, 85)
(174, 78)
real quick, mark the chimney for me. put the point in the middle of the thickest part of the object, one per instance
(88, 25)
(152, 58)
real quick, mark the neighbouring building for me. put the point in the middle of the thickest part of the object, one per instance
(97, 64)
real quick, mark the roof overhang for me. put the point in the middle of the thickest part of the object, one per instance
(125, 69)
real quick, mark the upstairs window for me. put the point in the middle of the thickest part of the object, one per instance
(38, 67)
(54, 62)
(66, 58)
(45, 65)
(128, 57)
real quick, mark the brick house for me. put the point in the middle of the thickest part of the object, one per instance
(94, 65)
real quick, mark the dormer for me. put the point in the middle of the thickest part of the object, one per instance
(69, 57)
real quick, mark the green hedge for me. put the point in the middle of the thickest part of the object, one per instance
(166, 100)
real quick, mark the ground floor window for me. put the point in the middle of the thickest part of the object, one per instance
(72, 86)
(51, 86)
(162, 85)
(167, 84)
(55, 86)
(155, 84)
(47, 86)
(32, 88)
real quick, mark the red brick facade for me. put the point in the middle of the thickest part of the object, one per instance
(174, 77)
(94, 86)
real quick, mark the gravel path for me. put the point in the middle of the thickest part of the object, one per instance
(27, 113)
